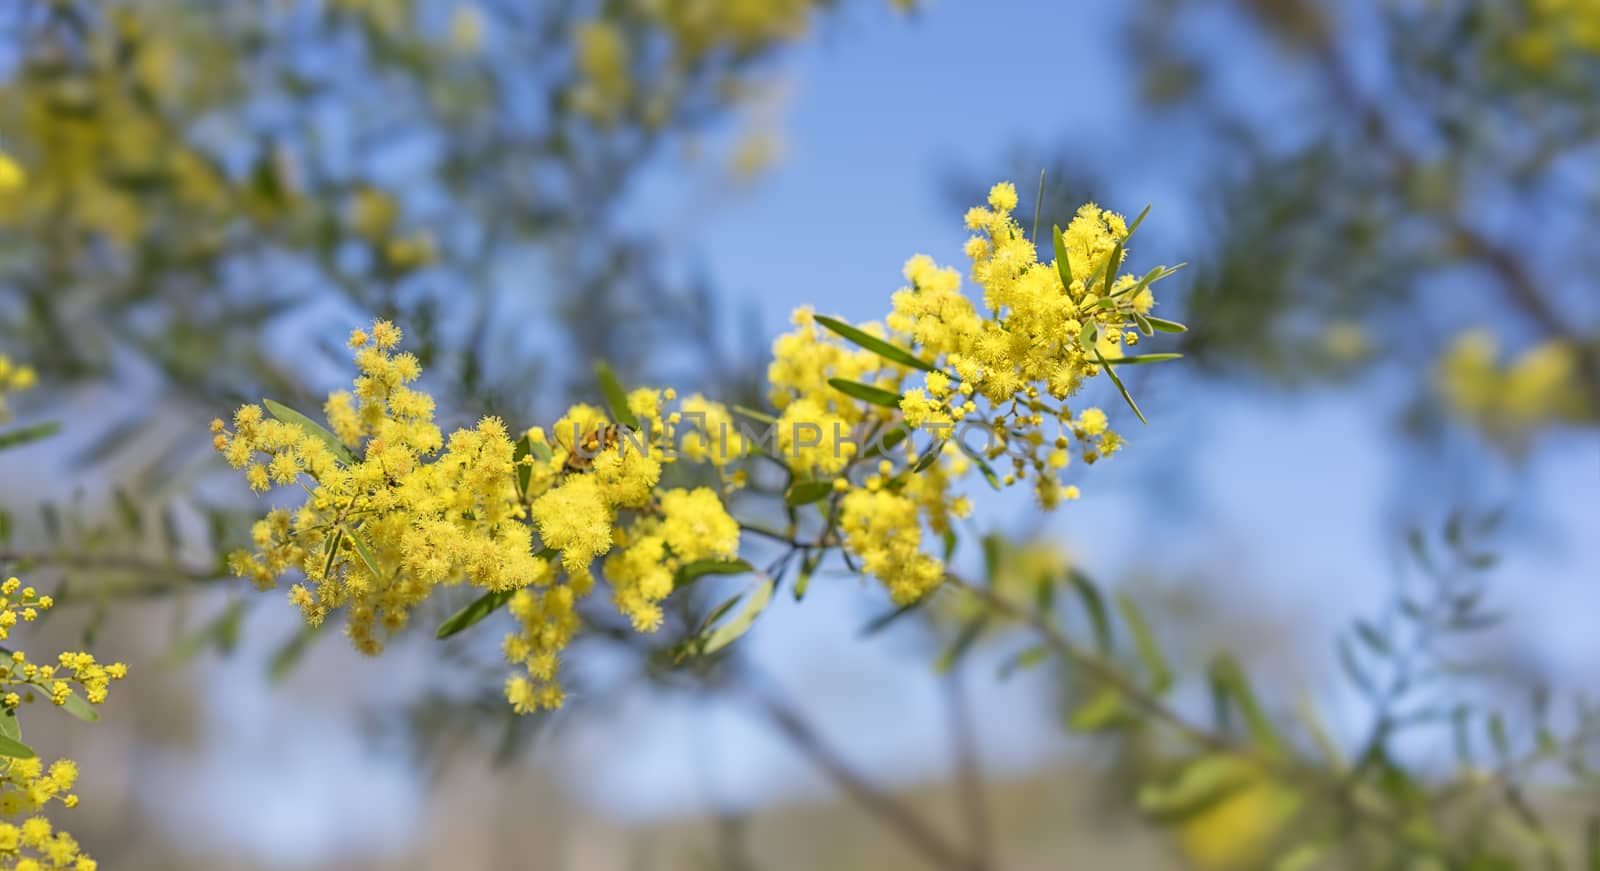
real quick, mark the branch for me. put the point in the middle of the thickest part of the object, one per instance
(165, 576)
(916, 832)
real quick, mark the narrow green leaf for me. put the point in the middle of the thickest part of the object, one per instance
(290, 416)
(14, 749)
(1374, 639)
(806, 492)
(866, 392)
(1023, 660)
(616, 397)
(10, 726)
(928, 458)
(1163, 325)
(1063, 263)
(1229, 681)
(1143, 323)
(691, 572)
(1112, 266)
(1038, 205)
(1117, 380)
(1133, 227)
(883, 621)
(729, 632)
(753, 414)
(808, 567)
(1103, 710)
(887, 442)
(289, 653)
(1137, 359)
(1094, 604)
(1199, 786)
(962, 643)
(887, 351)
(1145, 643)
(77, 707)
(24, 435)
(331, 548)
(366, 555)
(523, 451)
(481, 607)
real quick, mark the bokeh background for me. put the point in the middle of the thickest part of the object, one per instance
(218, 193)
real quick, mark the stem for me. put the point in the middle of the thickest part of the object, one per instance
(913, 830)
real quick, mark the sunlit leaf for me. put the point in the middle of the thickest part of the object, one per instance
(481, 607)
(886, 350)
(691, 572)
(290, 416)
(866, 392)
(616, 397)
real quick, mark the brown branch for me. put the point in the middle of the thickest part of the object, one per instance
(913, 830)
(167, 575)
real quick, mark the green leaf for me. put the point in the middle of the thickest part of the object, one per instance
(15, 749)
(884, 621)
(481, 607)
(1137, 221)
(1089, 335)
(928, 458)
(691, 572)
(1143, 323)
(1374, 639)
(10, 726)
(616, 397)
(331, 548)
(1038, 205)
(806, 492)
(1162, 325)
(1229, 682)
(366, 555)
(983, 465)
(730, 631)
(1145, 643)
(1023, 660)
(290, 416)
(23, 435)
(887, 442)
(289, 653)
(1117, 380)
(1199, 786)
(1112, 265)
(1095, 605)
(1137, 359)
(524, 450)
(890, 352)
(962, 643)
(808, 567)
(866, 392)
(755, 415)
(1103, 710)
(1063, 263)
(77, 707)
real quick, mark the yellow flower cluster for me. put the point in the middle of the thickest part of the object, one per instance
(637, 58)
(20, 679)
(394, 510)
(1551, 29)
(14, 378)
(994, 379)
(27, 841)
(1543, 387)
(32, 843)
